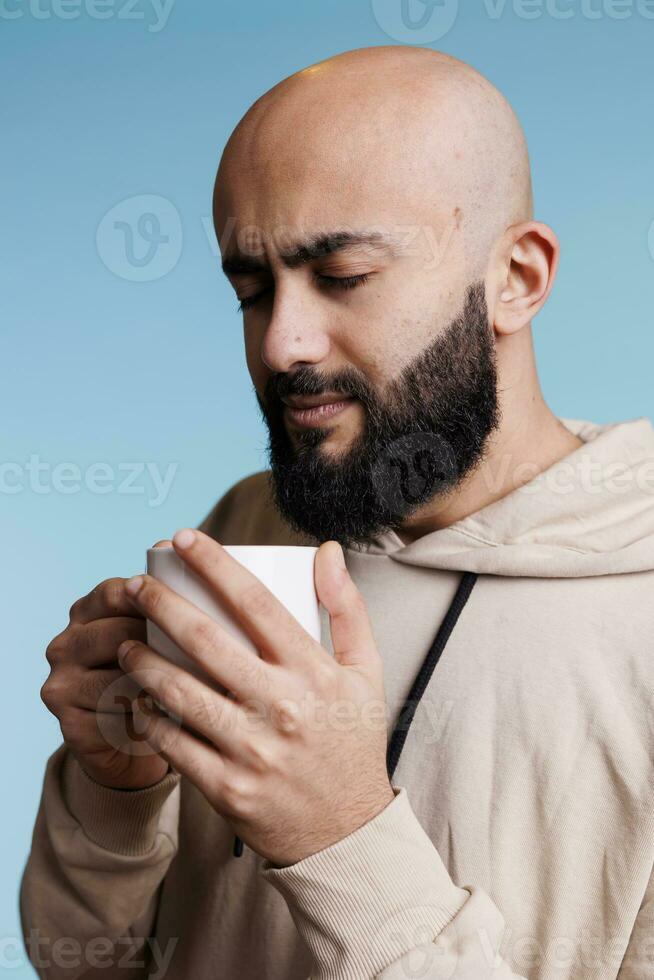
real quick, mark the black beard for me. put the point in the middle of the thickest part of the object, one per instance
(418, 442)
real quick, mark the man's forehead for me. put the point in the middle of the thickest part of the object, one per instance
(326, 176)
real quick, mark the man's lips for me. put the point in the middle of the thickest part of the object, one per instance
(308, 410)
(311, 401)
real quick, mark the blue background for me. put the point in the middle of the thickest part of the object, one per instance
(99, 367)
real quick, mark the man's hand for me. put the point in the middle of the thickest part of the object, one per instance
(295, 757)
(92, 697)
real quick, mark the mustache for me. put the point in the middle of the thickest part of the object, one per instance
(306, 381)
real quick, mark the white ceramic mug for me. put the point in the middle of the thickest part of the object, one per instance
(286, 570)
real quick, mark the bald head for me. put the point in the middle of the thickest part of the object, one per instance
(392, 135)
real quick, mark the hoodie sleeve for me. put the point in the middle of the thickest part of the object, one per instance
(380, 903)
(637, 960)
(98, 855)
(89, 890)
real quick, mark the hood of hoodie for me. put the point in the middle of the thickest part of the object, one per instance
(591, 513)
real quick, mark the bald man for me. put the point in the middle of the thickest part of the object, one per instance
(471, 793)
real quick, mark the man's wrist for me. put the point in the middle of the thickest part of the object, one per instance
(332, 835)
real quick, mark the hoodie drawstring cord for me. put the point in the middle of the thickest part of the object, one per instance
(405, 717)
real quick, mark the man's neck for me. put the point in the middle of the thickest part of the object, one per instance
(515, 454)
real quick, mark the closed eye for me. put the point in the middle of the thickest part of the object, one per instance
(249, 301)
(343, 282)
(330, 282)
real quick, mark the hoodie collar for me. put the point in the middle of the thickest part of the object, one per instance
(590, 513)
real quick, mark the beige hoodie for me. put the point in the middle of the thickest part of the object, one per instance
(520, 842)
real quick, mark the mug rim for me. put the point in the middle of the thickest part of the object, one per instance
(286, 547)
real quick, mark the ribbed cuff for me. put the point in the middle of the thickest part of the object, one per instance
(123, 821)
(363, 902)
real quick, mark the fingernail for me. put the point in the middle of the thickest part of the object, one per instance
(124, 649)
(184, 539)
(133, 584)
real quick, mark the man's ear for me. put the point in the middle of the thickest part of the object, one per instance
(525, 269)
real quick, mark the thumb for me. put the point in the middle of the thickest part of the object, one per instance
(350, 627)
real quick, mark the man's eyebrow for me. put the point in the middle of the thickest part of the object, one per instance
(311, 248)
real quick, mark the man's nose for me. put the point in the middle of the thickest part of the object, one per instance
(296, 333)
